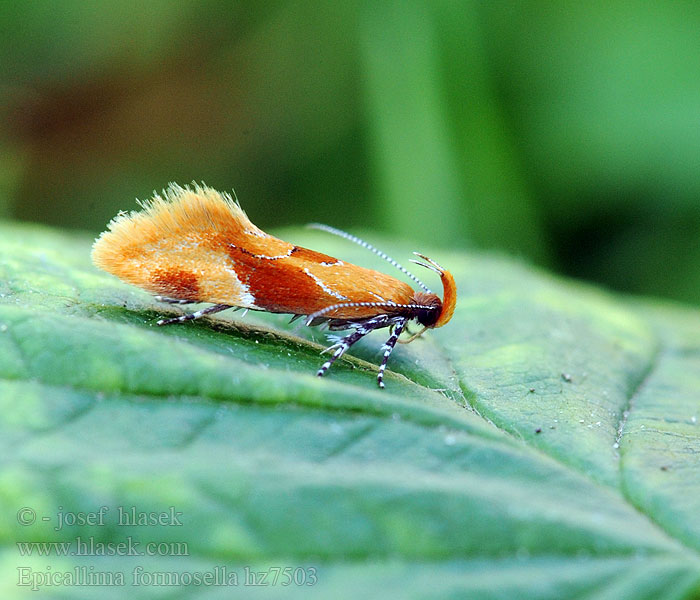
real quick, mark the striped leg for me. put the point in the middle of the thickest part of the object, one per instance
(341, 347)
(388, 347)
(195, 315)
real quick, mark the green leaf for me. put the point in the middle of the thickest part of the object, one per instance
(544, 444)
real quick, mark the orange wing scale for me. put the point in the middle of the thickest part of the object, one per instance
(199, 245)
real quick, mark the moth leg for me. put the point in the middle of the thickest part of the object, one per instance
(170, 300)
(388, 347)
(341, 346)
(413, 336)
(210, 310)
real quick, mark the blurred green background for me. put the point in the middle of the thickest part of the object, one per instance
(565, 133)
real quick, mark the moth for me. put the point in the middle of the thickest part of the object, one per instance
(196, 245)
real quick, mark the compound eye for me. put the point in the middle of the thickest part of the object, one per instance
(426, 317)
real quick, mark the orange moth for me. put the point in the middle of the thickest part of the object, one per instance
(194, 245)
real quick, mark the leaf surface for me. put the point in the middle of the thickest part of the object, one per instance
(544, 444)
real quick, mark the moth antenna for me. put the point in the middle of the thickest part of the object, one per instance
(332, 307)
(371, 248)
